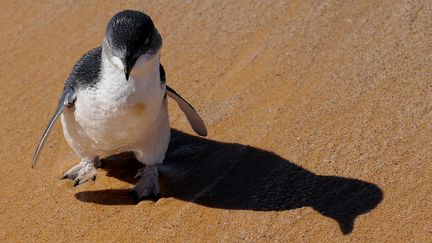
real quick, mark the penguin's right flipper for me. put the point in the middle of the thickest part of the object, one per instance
(67, 99)
(193, 117)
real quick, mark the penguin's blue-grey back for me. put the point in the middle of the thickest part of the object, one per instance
(86, 71)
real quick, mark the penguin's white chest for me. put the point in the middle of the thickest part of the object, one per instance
(116, 114)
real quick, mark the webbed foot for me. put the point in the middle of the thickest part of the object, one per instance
(81, 172)
(148, 185)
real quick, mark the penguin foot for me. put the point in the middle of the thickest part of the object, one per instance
(81, 172)
(148, 185)
(98, 163)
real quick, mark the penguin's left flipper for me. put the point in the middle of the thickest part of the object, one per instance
(66, 100)
(193, 117)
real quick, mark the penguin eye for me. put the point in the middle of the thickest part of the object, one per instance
(147, 41)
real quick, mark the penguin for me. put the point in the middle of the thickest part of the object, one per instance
(115, 100)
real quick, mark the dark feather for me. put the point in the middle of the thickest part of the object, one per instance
(86, 71)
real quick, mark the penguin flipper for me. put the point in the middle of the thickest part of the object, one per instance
(67, 99)
(193, 117)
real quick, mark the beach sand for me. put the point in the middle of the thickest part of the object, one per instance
(319, 118)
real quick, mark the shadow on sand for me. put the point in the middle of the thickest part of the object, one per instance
(235, 176)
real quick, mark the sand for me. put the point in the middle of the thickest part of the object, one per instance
(319, 117)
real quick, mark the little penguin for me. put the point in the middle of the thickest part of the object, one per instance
(115, 100)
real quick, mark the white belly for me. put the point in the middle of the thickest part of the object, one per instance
(131, 129)
(117, 116)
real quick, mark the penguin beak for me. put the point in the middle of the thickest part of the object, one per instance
(127, 71)
(128, 65)
(127, 68)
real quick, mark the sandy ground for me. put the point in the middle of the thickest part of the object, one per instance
(319, 117)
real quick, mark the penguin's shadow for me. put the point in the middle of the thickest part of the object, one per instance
(236, 176)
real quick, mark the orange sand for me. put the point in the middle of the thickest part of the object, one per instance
(319, 118)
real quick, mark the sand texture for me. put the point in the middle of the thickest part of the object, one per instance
(319, 117)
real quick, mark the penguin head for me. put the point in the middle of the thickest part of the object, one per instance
(129, 35)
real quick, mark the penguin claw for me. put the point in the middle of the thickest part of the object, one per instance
(134, 195)
(137, 198)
